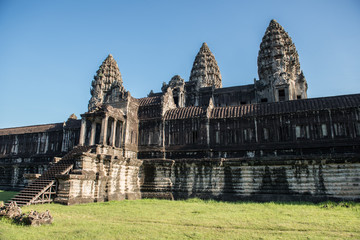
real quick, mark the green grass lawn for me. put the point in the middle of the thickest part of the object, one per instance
(6, 195)
(192, 219)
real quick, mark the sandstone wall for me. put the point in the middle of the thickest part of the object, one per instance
(272, 179)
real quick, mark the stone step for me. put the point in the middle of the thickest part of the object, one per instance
(22, 199)
(35, 189)
(19, 203)
(28, 191)
(60, 195)
(29, 196)
(41, 180)
(38, 186)
(32, 190)
(26, 194)
(37, 183)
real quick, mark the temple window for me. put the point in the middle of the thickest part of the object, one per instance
(194, 136)
(357, 127)
(302, 131)
(176, 100)
(266, 133)
(231, 136)
(97, 133)
(151, 138)
(248, 135)
(42, 143)
(217, 137)
(187, 137)
(340, 129)
(176, 138)
(281, 93)
(324, 132)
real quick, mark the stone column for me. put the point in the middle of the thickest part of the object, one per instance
(207, 125)
(122, 134)
(93, 132)
(104, 126)
(256, 131)
(82, 132)
(113, 133)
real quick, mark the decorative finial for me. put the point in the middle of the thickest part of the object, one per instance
(274, 24)
(204, 47)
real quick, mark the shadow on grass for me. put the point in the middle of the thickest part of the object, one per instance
(13, 221)
(326, 204)
(7, 195)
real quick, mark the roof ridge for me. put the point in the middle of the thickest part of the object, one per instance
(38, 125)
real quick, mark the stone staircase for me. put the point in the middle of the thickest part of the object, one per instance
(43, 189)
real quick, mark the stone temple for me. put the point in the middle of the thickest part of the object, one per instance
(265, 141)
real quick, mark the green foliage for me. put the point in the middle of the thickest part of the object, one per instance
(192, 219)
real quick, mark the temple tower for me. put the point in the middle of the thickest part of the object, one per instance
(280, 77)
(111, 119)
(106, 79)
(205, 73)
(205, 70)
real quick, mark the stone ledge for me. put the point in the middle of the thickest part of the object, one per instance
(76, 177)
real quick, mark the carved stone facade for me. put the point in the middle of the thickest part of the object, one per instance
(100, 174)
(177, 87)
(262, 141)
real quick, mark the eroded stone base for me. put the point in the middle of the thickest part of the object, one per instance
(267, 179)
(100, 175)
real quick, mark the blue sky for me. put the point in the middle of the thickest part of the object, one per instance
(50, 50)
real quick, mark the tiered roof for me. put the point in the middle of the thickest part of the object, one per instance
(185, 112)
(263, 109)
(40, 128)
(149, 101)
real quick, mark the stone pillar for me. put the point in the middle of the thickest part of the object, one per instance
(93, 132)
(104, 126)
(113, 133)
(208, 132)
(122, 134)
(82, 132)
(256, 130)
